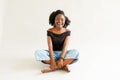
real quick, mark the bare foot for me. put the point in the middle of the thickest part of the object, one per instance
(66, 68)
(47, 69)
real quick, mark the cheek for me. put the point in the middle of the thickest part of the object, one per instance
(55, 21)
(64, 22)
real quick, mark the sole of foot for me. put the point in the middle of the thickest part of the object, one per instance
(65, 68)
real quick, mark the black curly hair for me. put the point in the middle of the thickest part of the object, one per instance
(54, 14)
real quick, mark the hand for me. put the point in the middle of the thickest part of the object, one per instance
(60, 63)
(53, 65)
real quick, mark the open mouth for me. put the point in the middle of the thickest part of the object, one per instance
(59, 24)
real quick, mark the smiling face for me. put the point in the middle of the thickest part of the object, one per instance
(59, 20)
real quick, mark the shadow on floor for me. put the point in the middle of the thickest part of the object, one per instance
(28, 64)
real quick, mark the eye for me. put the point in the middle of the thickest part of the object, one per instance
(60, 18)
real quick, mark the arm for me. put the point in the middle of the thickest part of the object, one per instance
(65, 45)
(60, 61)
(50, 49)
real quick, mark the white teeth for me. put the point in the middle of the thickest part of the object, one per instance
(59, 23)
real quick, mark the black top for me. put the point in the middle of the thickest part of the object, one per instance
(58, 39)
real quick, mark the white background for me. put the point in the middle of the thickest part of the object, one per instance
(95, 26)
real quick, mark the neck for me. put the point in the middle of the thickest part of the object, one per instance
(59, 28)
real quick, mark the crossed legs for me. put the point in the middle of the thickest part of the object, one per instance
(65, 67)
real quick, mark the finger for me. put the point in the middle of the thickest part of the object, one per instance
(59, 65)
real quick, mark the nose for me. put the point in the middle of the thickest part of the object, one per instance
(59, 20)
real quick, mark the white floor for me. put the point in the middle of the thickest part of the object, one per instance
(96, 34)
(17, 62)
(97, 62)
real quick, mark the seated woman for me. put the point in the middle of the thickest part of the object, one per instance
(57, 55)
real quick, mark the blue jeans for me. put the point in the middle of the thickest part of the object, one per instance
(44, 55)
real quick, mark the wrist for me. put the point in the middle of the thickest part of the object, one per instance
(61, 58)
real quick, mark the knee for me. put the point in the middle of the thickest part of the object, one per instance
(75, 52)
(37, 52)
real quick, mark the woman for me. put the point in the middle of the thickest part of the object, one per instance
(57, 55)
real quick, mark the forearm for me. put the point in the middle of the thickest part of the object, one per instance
(50, 47)
(63, 52)
(51, 54)
(65, 45)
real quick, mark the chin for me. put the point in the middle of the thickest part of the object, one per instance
(60, 26)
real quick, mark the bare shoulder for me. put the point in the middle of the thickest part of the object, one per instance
(50, 29)
(67, 30)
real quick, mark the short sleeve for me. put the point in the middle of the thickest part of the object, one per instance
(68, 33)
(49, 33)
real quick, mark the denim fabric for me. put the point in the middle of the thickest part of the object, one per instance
(44, 55)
